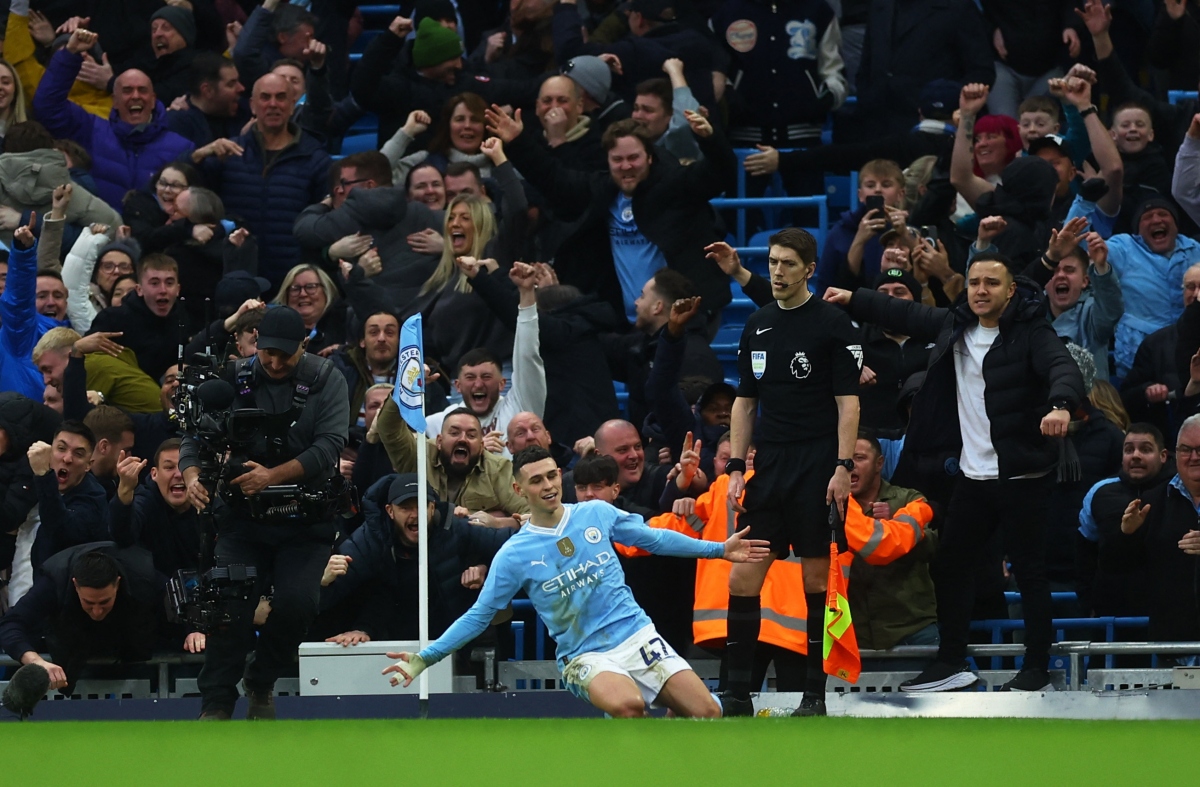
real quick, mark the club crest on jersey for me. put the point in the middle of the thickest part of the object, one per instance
(758, 363)
(801, 367)
(856, 351)
(592, 535)
(566, 546)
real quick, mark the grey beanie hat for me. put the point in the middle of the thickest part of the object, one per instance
(592, 76)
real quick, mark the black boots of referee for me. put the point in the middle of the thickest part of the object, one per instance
(743, 624)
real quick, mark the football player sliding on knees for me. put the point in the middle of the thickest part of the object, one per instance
(564, 559)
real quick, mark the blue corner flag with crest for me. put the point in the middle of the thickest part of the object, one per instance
(409, 392)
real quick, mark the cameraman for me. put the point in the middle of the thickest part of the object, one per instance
(300, 441)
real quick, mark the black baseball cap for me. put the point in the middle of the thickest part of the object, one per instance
(405, 487)
(281, 329)
(1050, 141)
(237, 287)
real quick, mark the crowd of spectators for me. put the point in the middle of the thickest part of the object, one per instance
(539, 191)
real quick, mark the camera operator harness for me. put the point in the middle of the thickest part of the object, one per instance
(227, 436)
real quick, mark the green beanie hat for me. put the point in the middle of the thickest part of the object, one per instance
(434, 44)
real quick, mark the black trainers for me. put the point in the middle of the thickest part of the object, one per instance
(811, 706)
(732, 706)
(940, 676)
(1029, 679)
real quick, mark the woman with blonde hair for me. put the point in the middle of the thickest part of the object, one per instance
(12, 99)
(310, 291)
(456, 318)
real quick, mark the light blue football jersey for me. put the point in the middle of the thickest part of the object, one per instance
(573, 577)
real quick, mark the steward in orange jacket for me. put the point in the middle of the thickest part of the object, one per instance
(784, 613)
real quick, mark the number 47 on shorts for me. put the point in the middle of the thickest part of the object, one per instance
(655, 650)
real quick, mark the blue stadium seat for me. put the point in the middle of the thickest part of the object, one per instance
(358, 143)
(1175, 96)
(388, 11)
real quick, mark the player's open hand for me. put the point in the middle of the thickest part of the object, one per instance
(409, 666)
(739, 549)
(1135, 516)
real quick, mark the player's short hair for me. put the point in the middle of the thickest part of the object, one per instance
(77, 428)
(626, 128)
(661, 87)
(170, 444)
(368, 164)
(247, 322)
(800, 241)
(1041, 104)
(527, 456)
(993, 256)
(456, 169)
(1120, 108)
(881, 168)
(460, 411)
(672, 285)
(162, 263)
(476, 357)
(869, 436)
(95, 570)
(596, 469)
(1142, 427)
(61, 338)
(108, 422)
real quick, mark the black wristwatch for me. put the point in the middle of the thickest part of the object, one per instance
(846, 463)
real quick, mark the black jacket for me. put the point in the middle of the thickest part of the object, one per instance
(154, 339)
(1171, 575)
(579, 390)
(24, 422)
(383, 570)
(670, 207)
(1027, 369)
(201, 129)
(1032, 32)
(893, 363)
(910, 43)
(172, 538)
(77, 516)
(1154, 363)
(51, 607)
(1109, 582)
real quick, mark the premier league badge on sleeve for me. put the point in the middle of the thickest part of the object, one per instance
(758, 363)
(566, 547)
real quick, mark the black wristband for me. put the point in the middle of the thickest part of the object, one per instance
(735, 466)
(1091, 110)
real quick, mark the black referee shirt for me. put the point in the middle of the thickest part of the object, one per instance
(795, 361)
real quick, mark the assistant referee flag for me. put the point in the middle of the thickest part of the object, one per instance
(840, 645)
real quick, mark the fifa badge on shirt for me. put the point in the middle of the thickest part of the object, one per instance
(592, 535)
(566, 547)
(758, 363)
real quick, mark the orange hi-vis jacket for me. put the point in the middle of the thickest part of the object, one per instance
(784, 611)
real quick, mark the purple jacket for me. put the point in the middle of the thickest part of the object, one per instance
(124, 156)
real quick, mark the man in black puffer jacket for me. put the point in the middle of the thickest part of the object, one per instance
(376, 568)
(999, 383)
(23, 422)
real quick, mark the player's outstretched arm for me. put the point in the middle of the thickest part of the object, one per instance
(409, 666)
(739, 549)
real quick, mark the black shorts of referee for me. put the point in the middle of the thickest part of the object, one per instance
(785, 498)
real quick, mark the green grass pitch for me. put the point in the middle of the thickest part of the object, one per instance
(484, 752)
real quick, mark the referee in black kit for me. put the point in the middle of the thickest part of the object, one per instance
(800, 358)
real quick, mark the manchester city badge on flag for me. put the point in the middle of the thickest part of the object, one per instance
(409, 392)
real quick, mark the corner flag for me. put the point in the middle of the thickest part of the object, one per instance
(409, 392)
(840, 646)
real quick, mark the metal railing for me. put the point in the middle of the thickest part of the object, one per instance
(741, 205)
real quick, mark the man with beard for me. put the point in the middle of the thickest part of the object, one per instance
(460, 471)
(113, 430)
(372, 362)
(1112, 586)
(71, 503)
